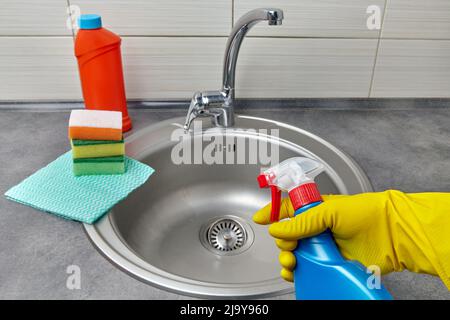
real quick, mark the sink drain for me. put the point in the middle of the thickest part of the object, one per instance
(227, 235)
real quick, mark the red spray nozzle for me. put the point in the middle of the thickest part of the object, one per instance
(295, 176)
(262, 180)
(276, 197)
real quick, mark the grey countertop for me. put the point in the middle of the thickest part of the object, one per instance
(399, 148)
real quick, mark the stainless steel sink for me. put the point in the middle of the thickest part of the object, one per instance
(189, 228)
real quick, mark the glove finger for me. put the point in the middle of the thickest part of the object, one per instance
(312, 222)
(287, 275)
(262, 216)
(287, 260)
(286, 245)
(286, 209)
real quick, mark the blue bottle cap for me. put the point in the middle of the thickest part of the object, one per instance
(90, 21)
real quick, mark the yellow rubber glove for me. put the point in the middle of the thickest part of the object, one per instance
(390, 229)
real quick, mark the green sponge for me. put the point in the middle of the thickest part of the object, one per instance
(98, 166)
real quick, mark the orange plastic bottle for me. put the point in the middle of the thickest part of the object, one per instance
(100, 67)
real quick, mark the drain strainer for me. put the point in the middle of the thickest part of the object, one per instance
(227, 235)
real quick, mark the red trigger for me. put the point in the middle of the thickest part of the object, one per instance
(276, 204)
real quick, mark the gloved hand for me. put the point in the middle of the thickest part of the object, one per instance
(390, 229)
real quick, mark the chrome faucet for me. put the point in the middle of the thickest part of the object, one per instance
(219, 105)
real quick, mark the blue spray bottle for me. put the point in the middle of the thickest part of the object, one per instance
(321, 272)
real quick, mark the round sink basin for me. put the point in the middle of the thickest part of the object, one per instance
(189, 229)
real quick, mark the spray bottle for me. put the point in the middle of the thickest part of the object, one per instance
(321, 272)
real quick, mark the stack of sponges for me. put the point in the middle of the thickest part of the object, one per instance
(97, 142)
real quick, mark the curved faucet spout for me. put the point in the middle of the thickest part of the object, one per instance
(240, 29)
(219, 105)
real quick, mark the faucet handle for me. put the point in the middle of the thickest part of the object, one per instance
(200, 101)
(195, 108)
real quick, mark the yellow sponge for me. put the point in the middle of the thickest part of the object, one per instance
(97, 148)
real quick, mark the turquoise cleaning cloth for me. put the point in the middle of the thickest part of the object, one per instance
(56, 190)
